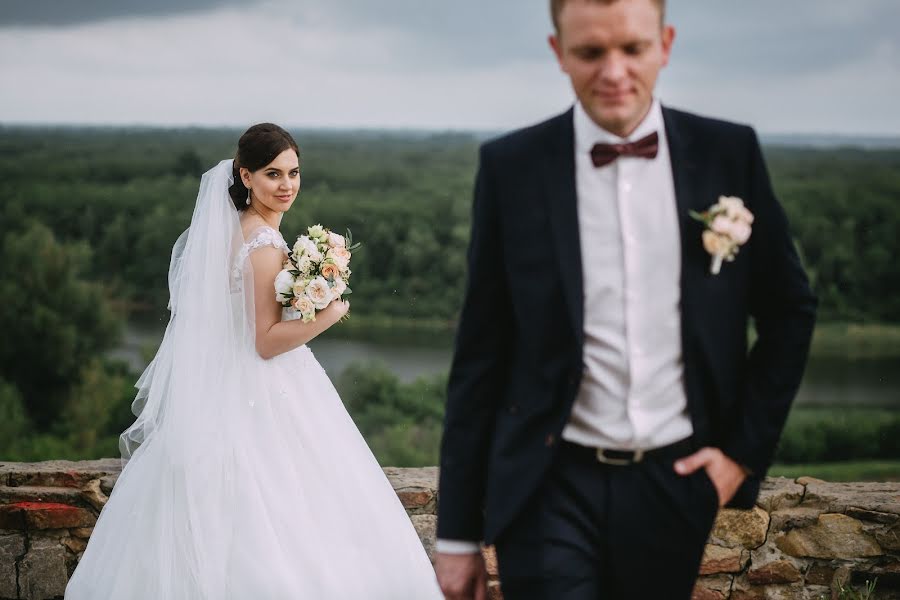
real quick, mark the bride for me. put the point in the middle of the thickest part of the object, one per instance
(246, 478)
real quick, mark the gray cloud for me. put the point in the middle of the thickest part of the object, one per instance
(830, 65)
(773, 38)
(57, 13)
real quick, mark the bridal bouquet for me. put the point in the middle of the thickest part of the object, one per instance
(727, 229)
(316, 271)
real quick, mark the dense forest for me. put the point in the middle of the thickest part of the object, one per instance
(89, 216)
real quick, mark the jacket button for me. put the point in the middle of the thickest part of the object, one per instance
(551, 439)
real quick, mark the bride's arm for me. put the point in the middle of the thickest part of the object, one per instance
(274, 336)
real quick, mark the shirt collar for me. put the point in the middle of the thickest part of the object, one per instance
(588, 133)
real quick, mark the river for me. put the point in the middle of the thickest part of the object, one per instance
(828, 381)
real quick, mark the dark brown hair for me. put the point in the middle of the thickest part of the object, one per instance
(258, 147)
(556, 7)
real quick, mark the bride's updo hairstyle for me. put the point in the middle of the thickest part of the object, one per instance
(258, 147)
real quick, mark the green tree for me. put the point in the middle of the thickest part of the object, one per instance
(53, 320)
(14, 424)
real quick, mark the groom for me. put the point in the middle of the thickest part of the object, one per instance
(602, 402)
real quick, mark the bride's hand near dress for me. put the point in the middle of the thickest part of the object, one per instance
(274, 336)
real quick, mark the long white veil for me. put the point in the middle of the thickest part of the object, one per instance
(198, 365)
(198, 388)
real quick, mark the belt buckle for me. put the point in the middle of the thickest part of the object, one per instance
(637, 457)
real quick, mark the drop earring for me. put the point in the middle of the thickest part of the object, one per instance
(248, 196)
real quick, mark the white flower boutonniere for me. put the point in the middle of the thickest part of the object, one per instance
(727, 229)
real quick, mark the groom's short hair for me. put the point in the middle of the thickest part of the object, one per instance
(556, 7)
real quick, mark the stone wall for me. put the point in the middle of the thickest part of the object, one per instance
(803, 540)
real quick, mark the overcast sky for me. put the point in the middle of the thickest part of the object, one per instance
(786, 66)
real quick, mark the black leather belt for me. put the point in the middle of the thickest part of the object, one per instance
(623, 458)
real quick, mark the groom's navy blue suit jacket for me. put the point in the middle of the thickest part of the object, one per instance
(518, 356)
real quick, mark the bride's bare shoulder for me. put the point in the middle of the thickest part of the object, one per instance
(250, 226)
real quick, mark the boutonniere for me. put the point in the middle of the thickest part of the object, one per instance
(727, 229)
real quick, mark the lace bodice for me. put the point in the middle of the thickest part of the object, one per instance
(261, 237)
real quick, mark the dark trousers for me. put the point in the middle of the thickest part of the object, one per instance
(600, 532)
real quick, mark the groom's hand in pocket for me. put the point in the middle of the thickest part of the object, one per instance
(725, 474)
(462, 576)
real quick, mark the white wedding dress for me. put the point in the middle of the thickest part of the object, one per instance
(250, 480)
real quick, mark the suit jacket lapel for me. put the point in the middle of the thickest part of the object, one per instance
(684, 172)
(559, 179)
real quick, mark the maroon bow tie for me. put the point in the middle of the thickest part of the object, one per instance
(646, 147)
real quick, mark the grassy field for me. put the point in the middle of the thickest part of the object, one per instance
(855, 341)
(865, 470)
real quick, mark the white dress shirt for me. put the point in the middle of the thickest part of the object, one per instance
(632, 393)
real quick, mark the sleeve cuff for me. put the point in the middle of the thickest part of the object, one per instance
(457, 547)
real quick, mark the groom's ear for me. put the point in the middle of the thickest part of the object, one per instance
(556, 46)
(668, 38)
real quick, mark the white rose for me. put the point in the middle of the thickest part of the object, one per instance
(319, 292)
(284, 284)
(300, 246)
(340, 286)
(306, 247)
(335, 239)
(303, 304)
(340, 256)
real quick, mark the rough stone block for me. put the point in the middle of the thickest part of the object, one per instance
(789, 518)
(741, 528)
(43, 572)
(777, 571)
(494, 591)
(834, 536)
(12, 547)
(712, 588)
(490, 561)
(717, 559)
(107, 483)
(842, 497)
(94, 495)
(45, 515)
(57, 473)
(778, 493)
(426, 527)
(82, 532)
(415, 488)
(820, 574)
(74, 544)
(11, 495)
(889, 538)
(780, 592)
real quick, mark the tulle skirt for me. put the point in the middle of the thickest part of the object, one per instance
(284, 502)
